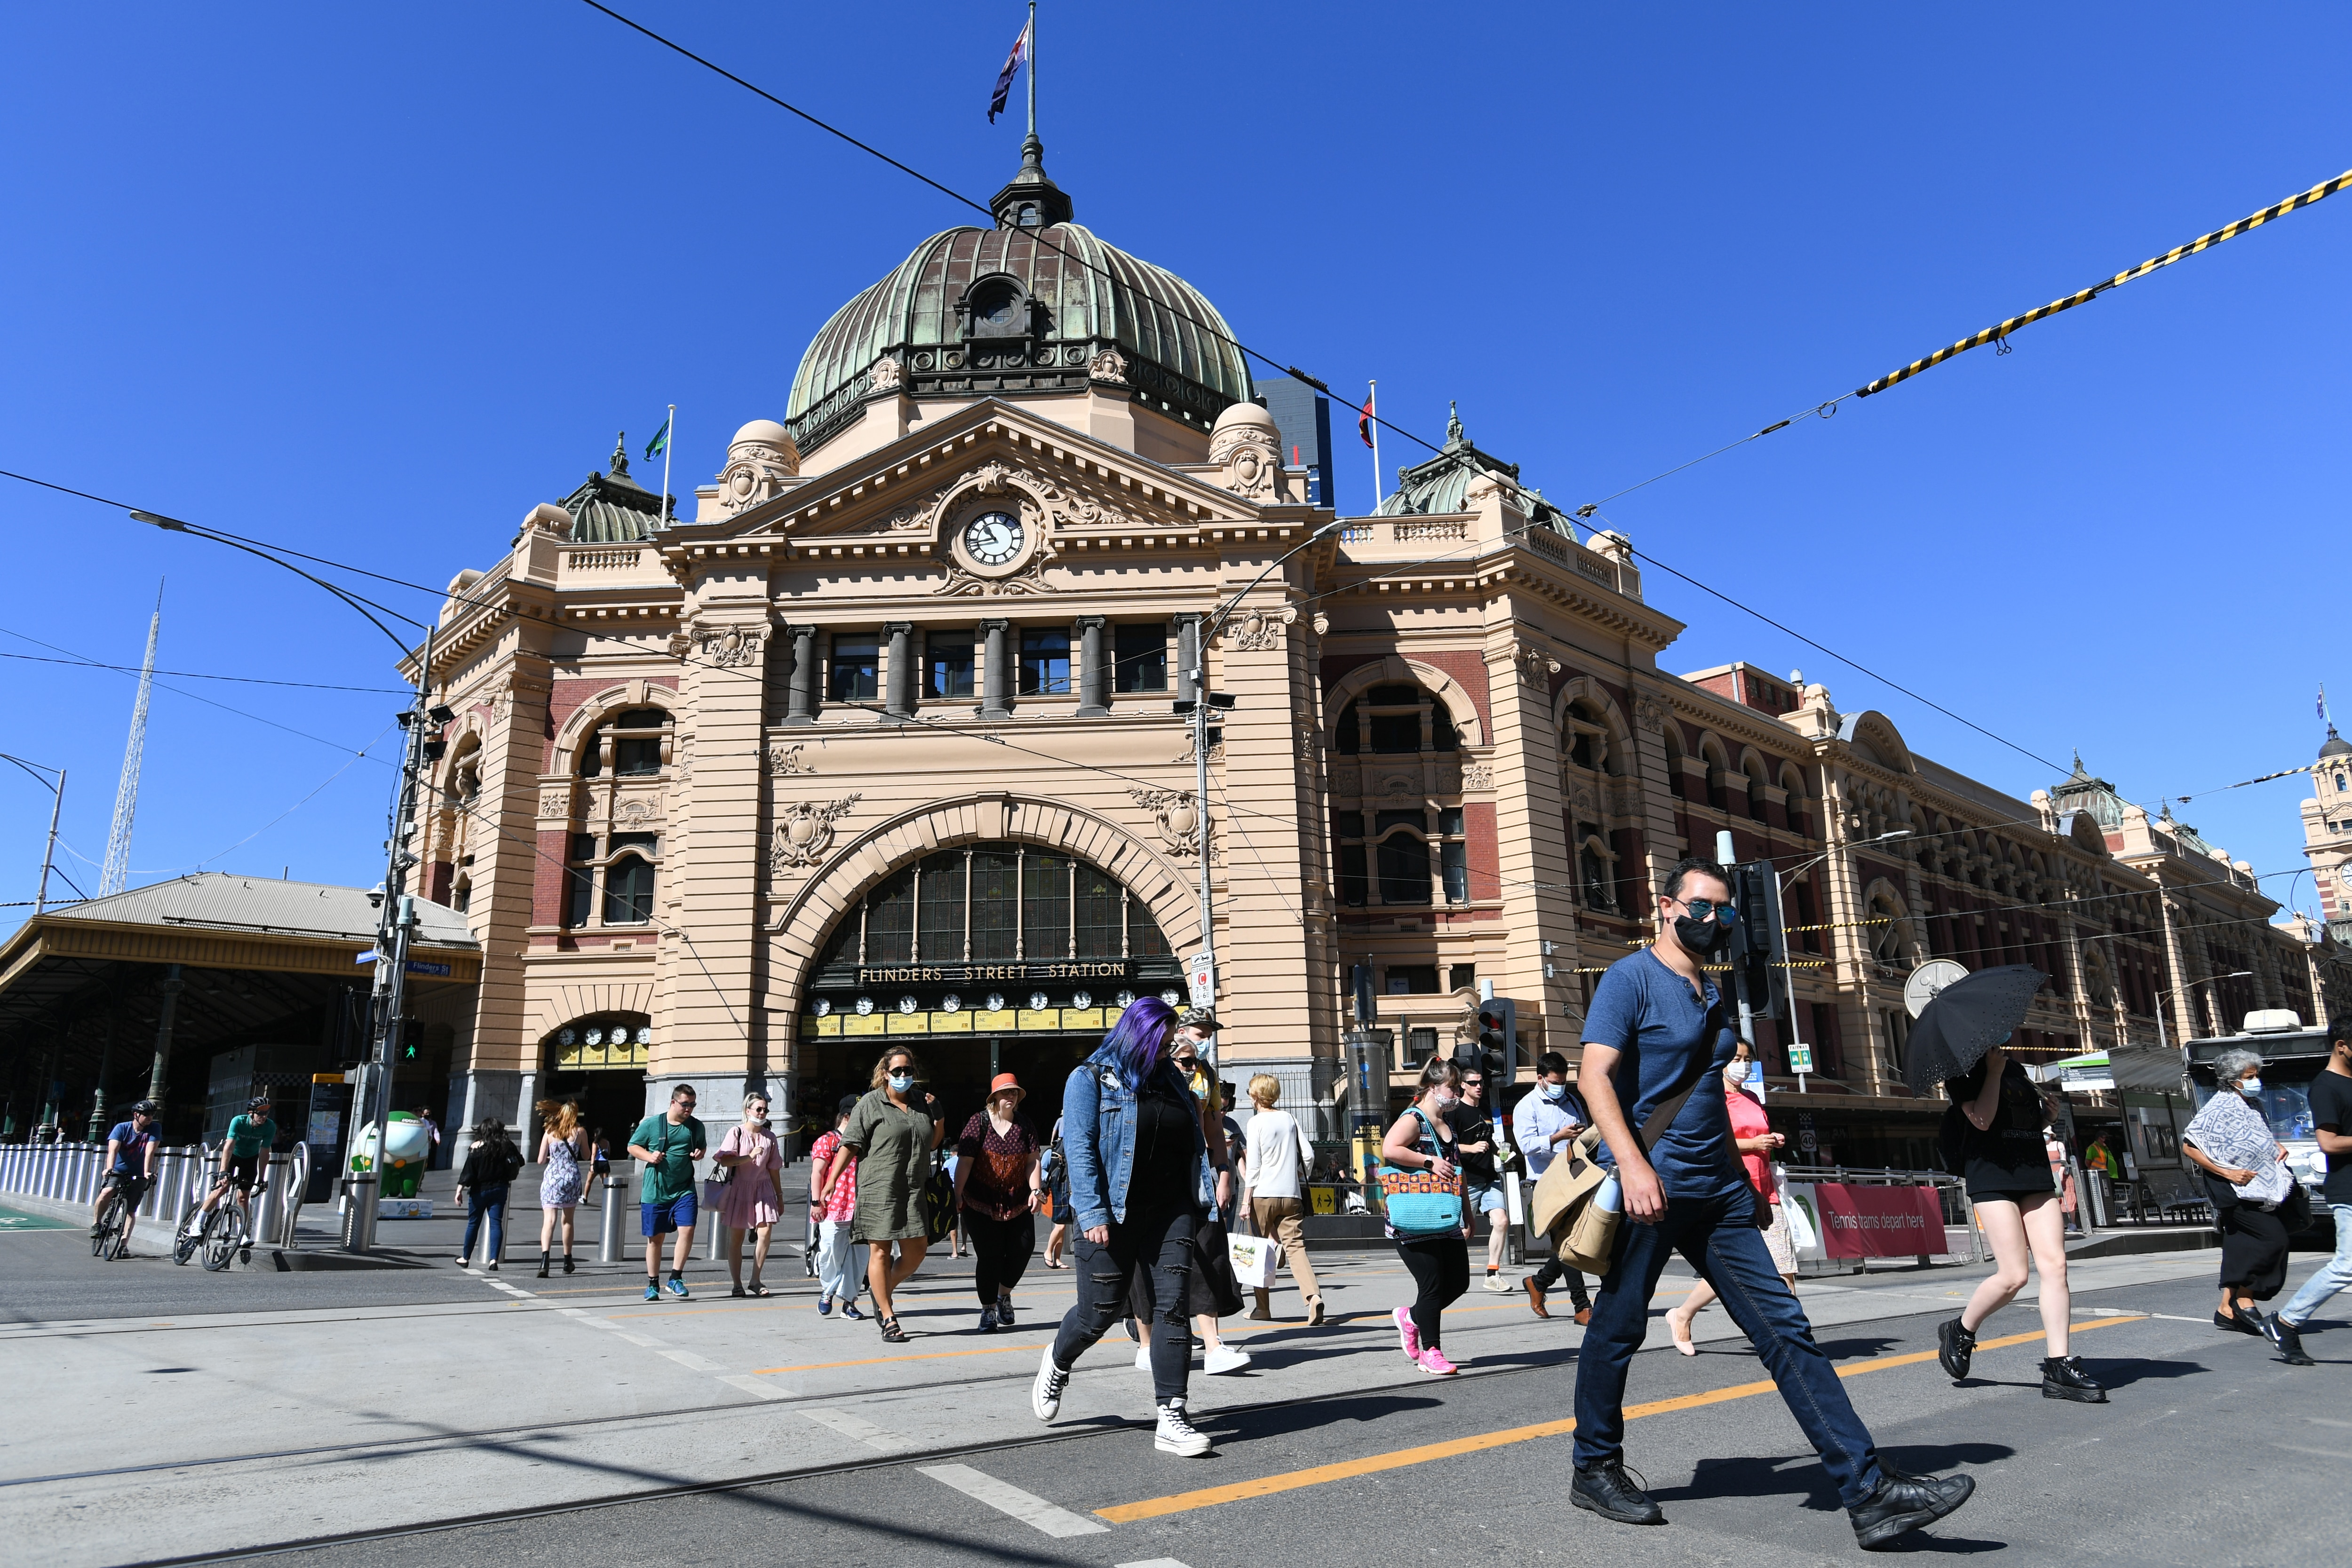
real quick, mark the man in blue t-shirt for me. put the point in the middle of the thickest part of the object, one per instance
(130, 1164)
(1658, 1031)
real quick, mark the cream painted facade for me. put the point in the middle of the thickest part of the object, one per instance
(689, 750)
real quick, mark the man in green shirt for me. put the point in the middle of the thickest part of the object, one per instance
(243, 1156)
(668, 1145)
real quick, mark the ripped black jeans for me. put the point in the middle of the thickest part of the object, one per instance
(1162, 1241)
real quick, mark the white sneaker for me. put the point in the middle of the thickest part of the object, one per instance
(1176, 1435)
(1224, 1359)
(1046, 1394)
(1497, 1284)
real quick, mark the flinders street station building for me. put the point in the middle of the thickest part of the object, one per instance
(875, 741)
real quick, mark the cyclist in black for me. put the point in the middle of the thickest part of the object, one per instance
(243, 1159)
(130, 1152)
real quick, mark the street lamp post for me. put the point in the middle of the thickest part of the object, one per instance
(1780, 901)
(49, 855)
(396, 907)
(2209, 980)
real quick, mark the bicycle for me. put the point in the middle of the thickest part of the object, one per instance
(228, 1230)
(111, 1240)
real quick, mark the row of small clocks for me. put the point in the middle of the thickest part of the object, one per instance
(1038, 1001)
(619, 1036)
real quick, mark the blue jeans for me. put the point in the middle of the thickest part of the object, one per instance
(2332, 1275)
(1720, 1240)
(490, 1201)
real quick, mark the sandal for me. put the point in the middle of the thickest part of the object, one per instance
(892, 1333)
(757, 1289)
(736, 1291)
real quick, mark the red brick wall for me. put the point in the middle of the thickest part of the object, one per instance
(564, 698)
(1485, 850)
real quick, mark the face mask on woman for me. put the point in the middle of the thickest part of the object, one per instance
(1736, 1071)
(2250, 1085)
(1446, 1098)
(902, 1081)
(755, 1113)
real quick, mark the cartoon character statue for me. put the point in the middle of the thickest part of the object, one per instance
(408, 1147)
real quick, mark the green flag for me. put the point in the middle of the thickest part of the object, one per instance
(660, 443)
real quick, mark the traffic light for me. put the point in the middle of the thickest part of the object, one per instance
(1759, 957)
(1499, 1042)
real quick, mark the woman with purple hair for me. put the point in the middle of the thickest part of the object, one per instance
(1138, 1175)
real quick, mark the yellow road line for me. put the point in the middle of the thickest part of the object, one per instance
(1291, 1480)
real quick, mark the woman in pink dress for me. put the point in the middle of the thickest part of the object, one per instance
(754, 1197)
(1752, 1134)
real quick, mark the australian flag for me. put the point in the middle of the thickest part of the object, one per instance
(1004, 77)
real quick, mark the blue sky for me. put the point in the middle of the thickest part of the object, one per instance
(373, 282)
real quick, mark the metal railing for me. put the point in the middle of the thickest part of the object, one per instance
(72, 1173)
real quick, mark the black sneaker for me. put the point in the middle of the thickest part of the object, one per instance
(1954, 1348)
(1904, 1503)
(1604, 1489)
(2288, 1339)
(2062, 1377)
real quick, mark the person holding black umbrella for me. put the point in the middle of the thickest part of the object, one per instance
(1997, 1116)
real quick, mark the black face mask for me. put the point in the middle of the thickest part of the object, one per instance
(1700, 937)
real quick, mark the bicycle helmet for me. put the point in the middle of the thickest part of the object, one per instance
(257, 1102)
(147, 1108)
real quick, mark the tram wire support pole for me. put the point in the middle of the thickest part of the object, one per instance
(1200, 706)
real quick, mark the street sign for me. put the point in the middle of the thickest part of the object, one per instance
(1806, 1140)
(1800, 1061)
(1201, 979)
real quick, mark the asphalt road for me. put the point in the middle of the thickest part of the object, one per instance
(2211, 1453)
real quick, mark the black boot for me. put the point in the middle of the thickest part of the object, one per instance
(1954, 1348)
(2062, 1377)
(567, 1263)
(543, 1266)
(1604, 1489)
(1904, 1503)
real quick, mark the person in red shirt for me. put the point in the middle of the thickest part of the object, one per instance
(839, 1265)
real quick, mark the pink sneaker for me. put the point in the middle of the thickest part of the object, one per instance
(1410, 1335)
(1433, 1361)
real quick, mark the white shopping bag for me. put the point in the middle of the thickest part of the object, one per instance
(1253, 1261)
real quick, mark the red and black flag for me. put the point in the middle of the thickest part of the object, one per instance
(1364, 421)
(1004, 77)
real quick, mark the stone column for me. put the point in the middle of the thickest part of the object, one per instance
(172, 985)
(996, 684)
(801, 693)
(1093, 693)
(899, 696)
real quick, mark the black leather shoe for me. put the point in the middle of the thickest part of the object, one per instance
(1954, 1348)
(2062, 1377)
(2235, 1322)
(1904, 1503)
(2288, 1339)
(1604, 1489)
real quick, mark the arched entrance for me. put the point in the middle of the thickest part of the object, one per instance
(599, 1064)
(993, 957)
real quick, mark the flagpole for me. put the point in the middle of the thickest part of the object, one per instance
(1373, 403)
(669, 446)
(1033, 68)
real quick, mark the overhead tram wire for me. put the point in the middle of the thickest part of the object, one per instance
(196, 674)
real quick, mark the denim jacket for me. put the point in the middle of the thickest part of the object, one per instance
(1098, 1141)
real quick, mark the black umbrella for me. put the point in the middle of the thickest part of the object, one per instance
(1965, 1020)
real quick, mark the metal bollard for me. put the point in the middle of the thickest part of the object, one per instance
(608, 1239)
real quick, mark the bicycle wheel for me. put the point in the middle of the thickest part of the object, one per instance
(220, 1238)
(183, 1245)
(118, 1232)
(109, 1217)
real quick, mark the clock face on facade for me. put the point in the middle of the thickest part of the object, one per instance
(994, 538)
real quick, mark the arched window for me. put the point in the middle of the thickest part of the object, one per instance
(462, 895)
(1394, 720)
(1792, 785)
(995, 903)
(1403, 855)
(1596, 868)
(1718, 768)
(634, 739)
(1586, 742)
(1890, 942)
(628, 892)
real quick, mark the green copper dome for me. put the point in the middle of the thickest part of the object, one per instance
(1032, 305)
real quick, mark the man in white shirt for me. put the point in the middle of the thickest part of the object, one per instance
(1544, 1120)
(1274, 1163)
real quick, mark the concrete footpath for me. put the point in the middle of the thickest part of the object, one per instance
(247, 1428)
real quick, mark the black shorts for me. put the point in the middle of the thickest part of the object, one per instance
(245, 1171)
(129, 1184)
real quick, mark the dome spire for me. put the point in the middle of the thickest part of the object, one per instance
(1032, 200)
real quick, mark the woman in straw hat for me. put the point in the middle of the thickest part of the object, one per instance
(998, 1184)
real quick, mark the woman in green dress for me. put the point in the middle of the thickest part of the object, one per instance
(890, 1134)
